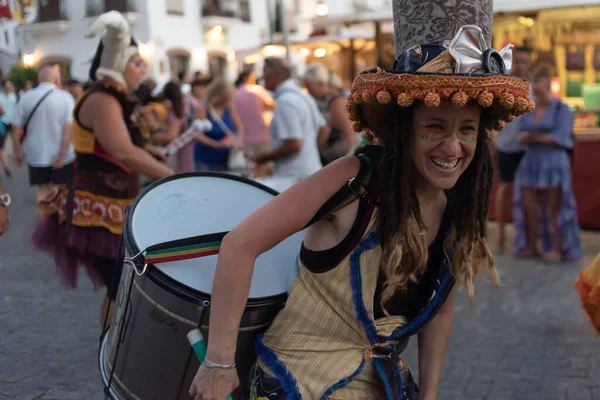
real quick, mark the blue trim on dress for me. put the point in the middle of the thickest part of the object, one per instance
(425, 314)
(389, 391)
(287, 380)
(343, 382)
(356, 280)
(367, 243)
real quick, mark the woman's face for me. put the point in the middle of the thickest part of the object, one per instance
(134, 72)
(316, 89)
(224, 99)
(541, 89)
(444, 141)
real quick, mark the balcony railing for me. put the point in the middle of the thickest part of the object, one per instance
(94, 8)
(238, 9)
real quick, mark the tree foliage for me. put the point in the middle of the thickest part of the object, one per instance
(19, 74)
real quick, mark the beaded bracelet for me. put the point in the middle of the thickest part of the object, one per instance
(212, 365)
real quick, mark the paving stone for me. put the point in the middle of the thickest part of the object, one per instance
(526, 340)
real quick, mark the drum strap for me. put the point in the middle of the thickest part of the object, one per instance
(207, 245)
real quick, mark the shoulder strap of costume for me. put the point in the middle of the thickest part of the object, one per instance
(354, 189)
(206, 245)
(120, 96)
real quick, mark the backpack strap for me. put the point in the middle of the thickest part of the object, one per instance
(40, 101)
(210, 244)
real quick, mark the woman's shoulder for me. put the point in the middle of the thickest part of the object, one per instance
(99, 102)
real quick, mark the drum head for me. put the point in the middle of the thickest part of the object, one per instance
(203, 203)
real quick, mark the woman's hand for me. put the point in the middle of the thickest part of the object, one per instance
(226, 143)
(156, 152)
(214, 383)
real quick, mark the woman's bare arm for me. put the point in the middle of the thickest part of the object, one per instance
(103, 114)
(205, 140)
(433, 341)
(239, 127)
(285, 215)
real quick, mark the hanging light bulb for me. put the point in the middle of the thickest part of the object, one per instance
(321, 8)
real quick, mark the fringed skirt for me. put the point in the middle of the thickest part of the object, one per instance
(543, 171)
(95, 249)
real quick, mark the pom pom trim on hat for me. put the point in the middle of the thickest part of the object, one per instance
(374, 92)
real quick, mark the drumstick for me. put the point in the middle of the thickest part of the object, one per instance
(199, 345)
(198, 126)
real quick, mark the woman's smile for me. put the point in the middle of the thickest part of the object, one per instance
(444, 164)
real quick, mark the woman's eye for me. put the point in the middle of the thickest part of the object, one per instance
(469, 129)
(438, 127)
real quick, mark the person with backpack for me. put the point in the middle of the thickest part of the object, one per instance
(545, 209)
(42, 134)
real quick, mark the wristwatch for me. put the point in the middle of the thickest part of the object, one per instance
(5, 200)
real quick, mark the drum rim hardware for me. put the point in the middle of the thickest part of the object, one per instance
(131, 262)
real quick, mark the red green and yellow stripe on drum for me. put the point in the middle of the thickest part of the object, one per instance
(182, 252)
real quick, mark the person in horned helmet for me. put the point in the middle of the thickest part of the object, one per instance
(385, 267)
(82, 224)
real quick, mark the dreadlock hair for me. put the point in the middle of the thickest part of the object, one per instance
(402, 231)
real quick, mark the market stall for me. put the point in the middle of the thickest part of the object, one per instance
(567, 40)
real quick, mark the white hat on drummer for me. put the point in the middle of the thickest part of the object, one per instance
(115, 49)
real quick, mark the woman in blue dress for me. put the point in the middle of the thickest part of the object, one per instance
(545, 211)
(212, 151)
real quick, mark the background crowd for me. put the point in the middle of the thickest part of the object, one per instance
(289, 127)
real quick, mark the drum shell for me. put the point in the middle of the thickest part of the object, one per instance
(155, 360)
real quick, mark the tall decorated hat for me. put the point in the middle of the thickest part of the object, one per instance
(443, 52)
(115, 49)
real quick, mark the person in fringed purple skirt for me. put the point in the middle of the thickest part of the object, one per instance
(83, 224)
(545, 210)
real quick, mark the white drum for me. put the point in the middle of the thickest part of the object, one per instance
(279, 183)
(153, 317)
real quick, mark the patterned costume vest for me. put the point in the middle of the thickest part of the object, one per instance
(326, 344)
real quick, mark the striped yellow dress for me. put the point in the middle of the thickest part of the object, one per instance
(320, 346)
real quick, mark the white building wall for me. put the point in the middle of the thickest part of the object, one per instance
(247, 36)
(161, 34)
(47, 41)
(175, 33)
(156, 31)
(9, 49)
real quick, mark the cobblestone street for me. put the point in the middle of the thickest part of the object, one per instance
(525, 340)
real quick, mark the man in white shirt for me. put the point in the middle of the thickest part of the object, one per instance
(8, 99)
(48, 144)
(295, 126)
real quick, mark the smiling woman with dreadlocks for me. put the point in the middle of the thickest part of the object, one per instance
(383, 268)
